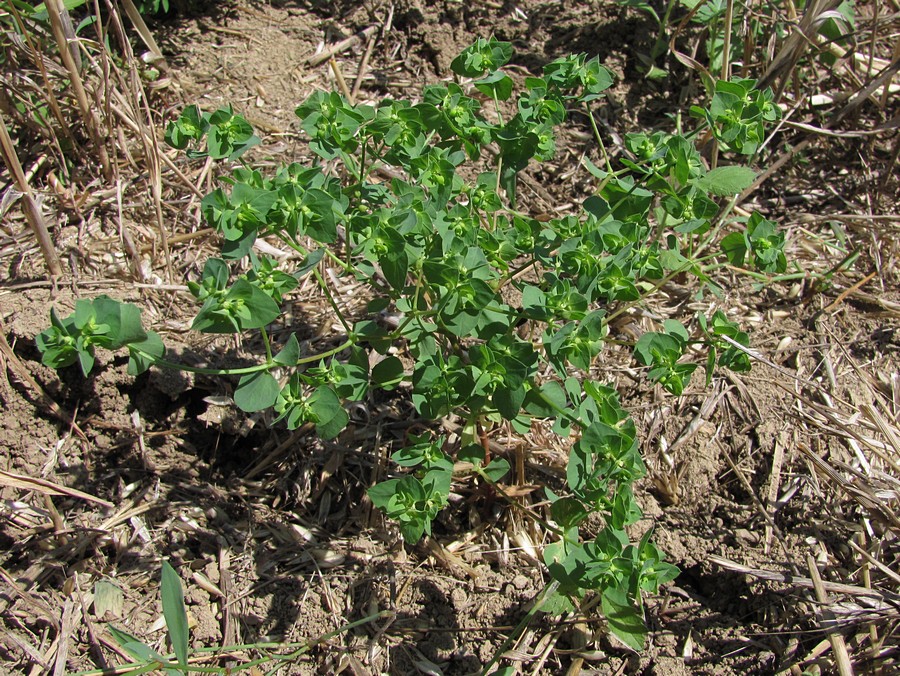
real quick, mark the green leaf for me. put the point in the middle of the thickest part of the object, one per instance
(380, 494)
(262, 309)
(256, 391)
(735, 248)
(675, 328)
(174, 612)
(310, 261)
(86, 361)
(509, 401)
(123, 319)
(726, 181)
(496, 469)
(497, 84)
(595, 171)
(484, 55)
(473, 453)
(331, 418)
(625, 620)
(244, 306)
(290, 353)
(236, 249)
(547, 401)
(388, 373)
(190, 126)
(395, 266)
(144, 353)
(136, 648)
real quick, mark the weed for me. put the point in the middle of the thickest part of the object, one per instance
(440, 252)
(751, 30)
(178, 632)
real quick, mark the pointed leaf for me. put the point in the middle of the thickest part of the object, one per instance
(290, 353)
(309, 262)
(134, 646)
(496, 469)
(174, 612)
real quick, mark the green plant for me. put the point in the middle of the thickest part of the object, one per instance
(176, 619)
(446, 256)
(749, 33)
(148, 660)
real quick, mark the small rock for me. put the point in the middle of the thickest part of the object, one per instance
(520, 582)
(746, 536)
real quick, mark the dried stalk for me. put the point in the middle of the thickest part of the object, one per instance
(84, 105)
(30, 207)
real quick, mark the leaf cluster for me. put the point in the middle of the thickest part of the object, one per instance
(101, 322)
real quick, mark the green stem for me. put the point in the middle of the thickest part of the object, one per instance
(599, 138)
(331, 301)
(350, 342)
(240, 371)
(267, 344)
(497, 108)
(511, 275)
(174, 366)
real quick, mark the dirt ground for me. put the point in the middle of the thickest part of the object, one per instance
(271, 530)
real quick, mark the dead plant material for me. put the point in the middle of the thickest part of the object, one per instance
(29, 204)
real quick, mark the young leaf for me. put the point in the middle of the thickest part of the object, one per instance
(174, 612)
(140, 650)
(256, 391)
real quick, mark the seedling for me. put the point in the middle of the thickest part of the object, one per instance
(148, 660)
(438, 252)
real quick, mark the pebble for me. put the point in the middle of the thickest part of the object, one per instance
(520, 582)
(747, 536)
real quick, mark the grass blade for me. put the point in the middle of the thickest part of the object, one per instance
(174, 612)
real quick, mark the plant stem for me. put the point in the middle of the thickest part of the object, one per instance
(267, 344)
(240, 371)
(331, 301)
(599, 138)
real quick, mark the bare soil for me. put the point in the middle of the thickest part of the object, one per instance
(272, 532)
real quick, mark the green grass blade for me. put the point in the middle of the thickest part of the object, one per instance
(174, 612)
